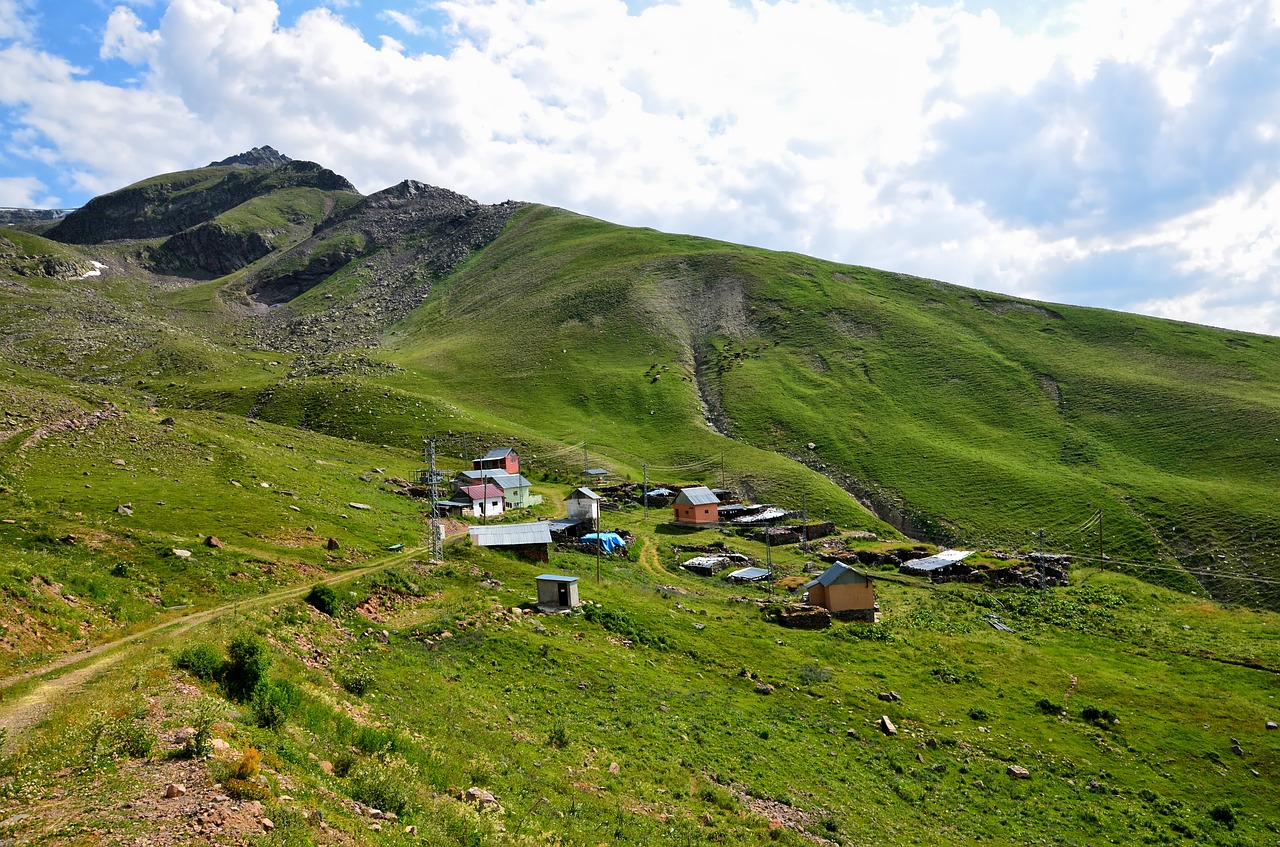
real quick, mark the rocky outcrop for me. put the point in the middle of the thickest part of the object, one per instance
(403, 238)
(213, 248)
(167, 205)
(259, 157)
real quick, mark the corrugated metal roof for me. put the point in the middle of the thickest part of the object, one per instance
(482, 492)
(502, 480)
(595, 471)
(561, 524)
(555, 577)
(750, 574)
(770, 513)
(584, 494)
(833, 574)
(510, 535)
(941, 560)
(699, 495)
(498, 453)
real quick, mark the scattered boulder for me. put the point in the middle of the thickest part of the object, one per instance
(1237, 749)
(212, 541)
(267, 825)
(182, 554)
(614, 767)
(364, 507)
(327, 767)
(125, 509)
(175, 789)
(1018, 772)
(886, 726)
(482, 800)
(764, 688)
(331, 544)
(1272, 725)
(851, 733)
(69, 539)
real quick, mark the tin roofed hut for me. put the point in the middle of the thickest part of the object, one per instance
(584, 505)
(697, 507)
(557, 592)
(527, 540)
(845, 593)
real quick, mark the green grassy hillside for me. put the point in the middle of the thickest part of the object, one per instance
(965, 417)
(276, 407)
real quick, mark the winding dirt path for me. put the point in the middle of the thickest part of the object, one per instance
(20, 715)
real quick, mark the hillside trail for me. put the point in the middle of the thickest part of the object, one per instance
(20, 715)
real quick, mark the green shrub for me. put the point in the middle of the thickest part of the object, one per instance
(1103, 718)
(134, 739)
(273, 702)
(1049, 707)
(243, 789)
(357, 680)
(202, 661)
(200, 742)
(246, 667)
(978, 714)
(1224, 815)
(325, 600)
(385, 782)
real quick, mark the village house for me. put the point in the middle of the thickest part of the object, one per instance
(697, 506)
(584, 505)
(516, 489)
(845, 593)
(498, 459)
(481, 499)
(527, 540)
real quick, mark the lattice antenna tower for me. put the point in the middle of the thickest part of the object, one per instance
(435, 527)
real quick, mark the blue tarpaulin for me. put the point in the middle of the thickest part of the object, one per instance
(608, 541)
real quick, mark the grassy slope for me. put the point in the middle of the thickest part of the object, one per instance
(982, 417)
(537, 709)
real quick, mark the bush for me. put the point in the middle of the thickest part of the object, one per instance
(1224, 815)
(357, 680)
(200, 742)
(1049, 707)
(247, 767)
(243, 789)
(1103, 718)
(246, 667)
(325, 600)
(273, 702)
(978, 714)
(385, 783)
(134, 739)
(202, 661)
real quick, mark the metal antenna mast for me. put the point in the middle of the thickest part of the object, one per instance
(435, 529)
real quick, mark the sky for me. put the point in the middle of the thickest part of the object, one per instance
(1104, 153)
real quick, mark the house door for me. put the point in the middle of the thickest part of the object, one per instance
(562, 593)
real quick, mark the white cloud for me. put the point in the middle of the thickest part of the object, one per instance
(15, 20)
(126, 39)
(24, 192)
(406, 22)
(942, 142)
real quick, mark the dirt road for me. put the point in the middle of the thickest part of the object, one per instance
(20, 715)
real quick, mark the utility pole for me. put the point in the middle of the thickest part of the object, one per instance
(722, 469)
(584, 460)
(804, 521)
(599, 543)
(435, 529)
(645, 497)
(1101, 555)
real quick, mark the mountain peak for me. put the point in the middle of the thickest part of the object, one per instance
(265, 156)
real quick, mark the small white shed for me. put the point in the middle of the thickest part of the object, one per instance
(557, 593)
